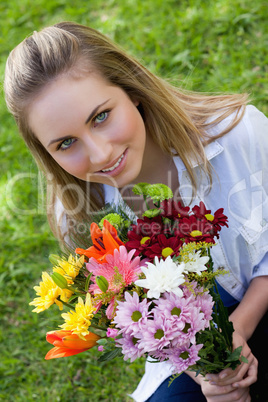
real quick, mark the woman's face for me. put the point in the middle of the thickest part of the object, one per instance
(93, 130)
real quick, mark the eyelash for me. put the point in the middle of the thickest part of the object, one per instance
(59, 147)
(107, 112)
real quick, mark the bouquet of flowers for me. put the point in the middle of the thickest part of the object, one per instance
(144, 288)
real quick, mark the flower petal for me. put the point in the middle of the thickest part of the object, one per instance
(58, 352)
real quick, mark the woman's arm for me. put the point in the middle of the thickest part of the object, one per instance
(252, 307)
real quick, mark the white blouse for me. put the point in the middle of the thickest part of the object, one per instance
(239, 161)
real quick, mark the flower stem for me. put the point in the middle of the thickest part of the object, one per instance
(66, 304)
(98, 327)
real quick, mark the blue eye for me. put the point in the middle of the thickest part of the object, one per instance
(100, 118)
(66, 144)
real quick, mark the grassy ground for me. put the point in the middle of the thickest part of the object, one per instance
(202, 45)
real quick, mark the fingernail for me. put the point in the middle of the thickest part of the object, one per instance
(222, 376)
(235, 385)
(208, 377)
(212, 383)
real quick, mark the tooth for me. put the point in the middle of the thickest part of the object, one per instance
(114, 166)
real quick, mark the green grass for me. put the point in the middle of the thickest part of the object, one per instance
(202, 45)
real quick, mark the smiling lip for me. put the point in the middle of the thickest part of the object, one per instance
(116, 167)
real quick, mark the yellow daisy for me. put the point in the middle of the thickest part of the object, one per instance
(48, 293)
(78, 321)
(69, 269)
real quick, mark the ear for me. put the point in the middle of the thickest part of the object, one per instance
(136, 102)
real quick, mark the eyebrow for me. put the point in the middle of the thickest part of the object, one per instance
(92, 114)
(94, 111)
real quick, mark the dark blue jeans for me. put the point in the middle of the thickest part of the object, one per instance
(183, 389)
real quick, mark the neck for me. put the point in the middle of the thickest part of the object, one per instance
(157, 167)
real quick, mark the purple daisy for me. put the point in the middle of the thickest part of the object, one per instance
(176, 309)
(205, 303)
(194, 324)
(157, 334)
(129, 347)
(184, 357)
(131, 314)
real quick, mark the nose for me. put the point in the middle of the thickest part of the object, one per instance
(99, 150)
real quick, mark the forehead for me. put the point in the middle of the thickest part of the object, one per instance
(67, 98)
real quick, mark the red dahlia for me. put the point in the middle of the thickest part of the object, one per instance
(162, 247)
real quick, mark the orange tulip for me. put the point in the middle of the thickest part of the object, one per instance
(105, 241)
(68, 344)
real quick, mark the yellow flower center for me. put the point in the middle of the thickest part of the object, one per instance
(196, 233)
(209, 217)
(118, 279)
(167, 251)
(184, 355)
(144, 239)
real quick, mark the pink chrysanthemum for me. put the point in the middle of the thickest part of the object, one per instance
(176, 309)
(157, 334)
(194, 324)
(205, 303)
(129, 347)
(183, 357)
(120, 270)
(193, 290)
(131, 314)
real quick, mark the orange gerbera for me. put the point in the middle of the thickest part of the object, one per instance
(104, 241)
(68, 344)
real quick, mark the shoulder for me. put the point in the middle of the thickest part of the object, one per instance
(249, 136)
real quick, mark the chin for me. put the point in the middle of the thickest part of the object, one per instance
(119, 181)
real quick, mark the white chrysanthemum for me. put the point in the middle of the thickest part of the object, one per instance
(162, 276)
(195, 263)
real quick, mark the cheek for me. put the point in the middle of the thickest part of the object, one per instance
(74, 164)
(130, 127)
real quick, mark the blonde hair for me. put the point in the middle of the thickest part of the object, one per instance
(175, 119)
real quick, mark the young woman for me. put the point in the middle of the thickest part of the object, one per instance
(98, 122)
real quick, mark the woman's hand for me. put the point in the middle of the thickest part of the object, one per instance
(244, 375)
(224, 393)
(231, 385)
(221, 393)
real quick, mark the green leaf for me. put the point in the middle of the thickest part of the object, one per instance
(243, 359)
(110, 355)
(102, 341)
(234, 355)
(87, 281)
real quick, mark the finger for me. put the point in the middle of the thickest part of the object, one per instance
(229, 376)
(222, 375)
(250, 377)
(236, 376)
(221, 394)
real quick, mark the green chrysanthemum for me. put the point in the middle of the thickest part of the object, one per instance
(141, 189)
(159, 192)
(116, 220)
(151, 213)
